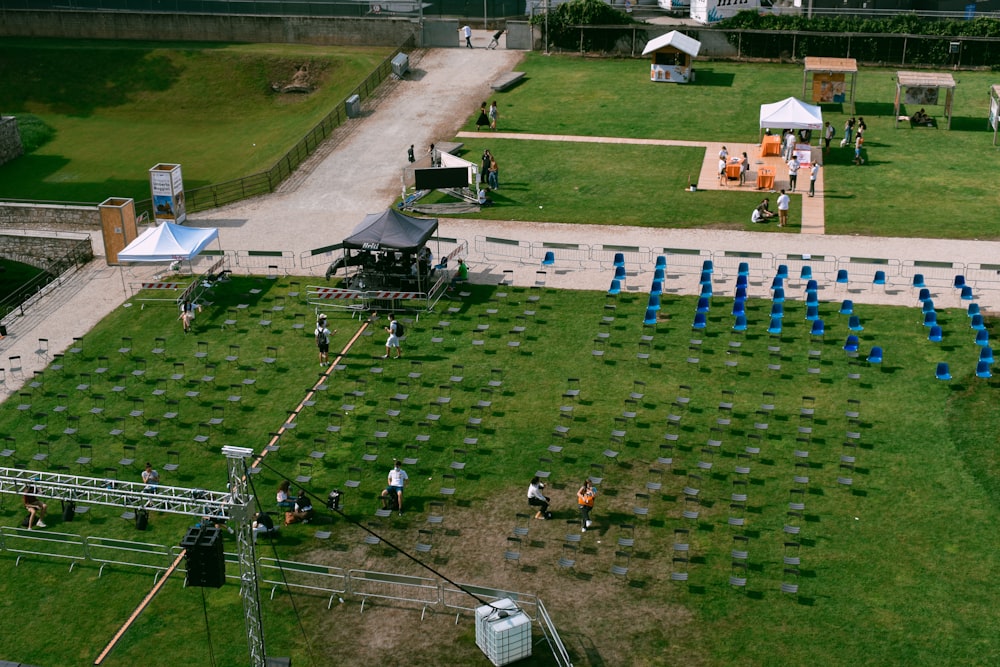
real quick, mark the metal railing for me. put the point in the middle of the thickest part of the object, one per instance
(57, 271)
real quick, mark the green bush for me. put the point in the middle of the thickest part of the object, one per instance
(35, 132)
(563, 34)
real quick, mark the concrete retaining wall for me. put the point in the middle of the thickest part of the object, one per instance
(48, 216)
(10, 139)
(334, 31)
(36, 249)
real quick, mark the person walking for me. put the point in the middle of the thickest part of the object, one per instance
(813, 172)
(537, 499)
(467, 32)
(396, 483)
(783, 202)
(323, 334)
(393, 340)
(858, 143)
(493, 115)
(585, 499)
(793, 171)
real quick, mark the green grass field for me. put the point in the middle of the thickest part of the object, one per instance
(723, 105)
(13, 275)
(895, 569)
(118, 108)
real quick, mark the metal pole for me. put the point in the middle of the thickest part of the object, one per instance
(485, 24)
(546, 27)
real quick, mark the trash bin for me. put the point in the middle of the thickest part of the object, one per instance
(353, 106)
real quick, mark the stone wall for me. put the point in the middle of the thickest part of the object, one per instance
(49, 216)
(155, 27)
(44, 252)
(10, 139)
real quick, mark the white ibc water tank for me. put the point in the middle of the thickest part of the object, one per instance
(400, 64)
(503, 632)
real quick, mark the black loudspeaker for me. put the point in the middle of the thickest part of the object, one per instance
(206, 562)
(69, 511)
(141, 519)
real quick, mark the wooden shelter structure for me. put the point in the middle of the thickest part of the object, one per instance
(829, 85)
(994, 119)
(672, 55)
(923, 89)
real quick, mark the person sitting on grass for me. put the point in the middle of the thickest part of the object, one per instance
(483, 199)
(764, 209)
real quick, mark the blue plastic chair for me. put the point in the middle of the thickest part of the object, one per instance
(741, 323)
(847, 307)
(782, 271)
(967, 293)
(983, 370)
(739, 307)
(742, 281)
(707, 265)
(842, 276)
(936, 335)
(620, 273)
(706, 290)
(973, 309)
(654, 302)
(812, 287)
(706, 278)
(806, 273)
(741, 292)
(619, 259)
(700, 321)
(812, 299)
(550, 258)
(659, 274)
(879, 278)
(812, 312)
(616, 288)
(925, 294)
(986, 354)
(930, 319)
(777, 282)
(959, 281)
(977, 323)
(779, 295)
(774, 328)
(703, 305)
(927, 306)
(875, 356)
(854, 324)
(657, 288)
(918, 280)
(743, 270)
(777, 310)
(661, 262)
(650, 318)
(942, 372)
(818, 329)
(983, 338)
(852, 344)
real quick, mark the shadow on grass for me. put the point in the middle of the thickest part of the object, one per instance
(969, 124)
(874, 108)
(708, 77)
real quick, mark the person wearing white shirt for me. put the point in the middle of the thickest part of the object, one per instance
(783, 202)
(793, 171)
(813, 172)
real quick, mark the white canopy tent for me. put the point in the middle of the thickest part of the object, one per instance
(792, 114)
(168, 243)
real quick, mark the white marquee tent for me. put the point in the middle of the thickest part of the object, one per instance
(167, 243)
(791, 113)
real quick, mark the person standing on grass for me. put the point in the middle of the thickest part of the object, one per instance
(484, 172)
(828, 136)
(484, 118)
(793, 171)
(493, 178)
(783, 202)
(393, 340)
(848, 131)
(585, 499)
(493, 115)
(396, 483)
(323, 340)
(858, 143)
(813, 172)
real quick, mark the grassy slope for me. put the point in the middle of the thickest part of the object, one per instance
(908, 581)
(118, 108)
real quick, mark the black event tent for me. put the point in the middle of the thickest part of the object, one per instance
(391, 230)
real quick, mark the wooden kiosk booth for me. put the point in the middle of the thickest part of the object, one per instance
(829, 84)
(672, 55)
(923, 89)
